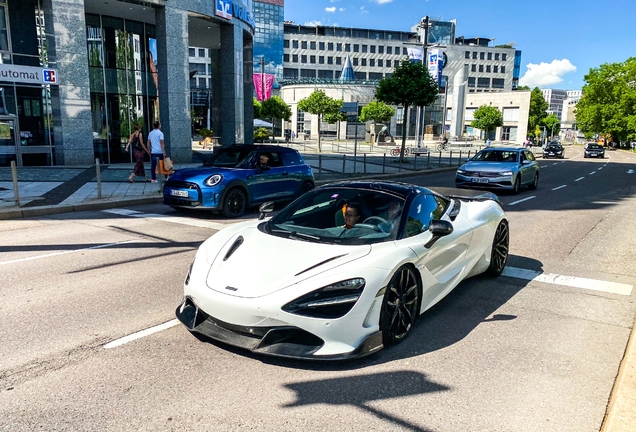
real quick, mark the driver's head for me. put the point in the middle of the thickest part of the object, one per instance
(351, 214)
(263, 159)
(393, 210)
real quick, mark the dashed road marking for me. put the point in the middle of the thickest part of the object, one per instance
(142, 333)
(579, 179)
(559, 187)
(593, 172)
(521, 200)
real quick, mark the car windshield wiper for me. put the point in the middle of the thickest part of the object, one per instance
(296, 235)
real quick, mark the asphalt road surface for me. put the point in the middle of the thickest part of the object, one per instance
(90, 341)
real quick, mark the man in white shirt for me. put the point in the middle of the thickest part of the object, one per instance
(157, 149)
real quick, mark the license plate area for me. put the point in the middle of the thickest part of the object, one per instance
(179, 193)
(479, 180)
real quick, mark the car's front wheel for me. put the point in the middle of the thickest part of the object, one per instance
(235, 203)
(517, 186)
(535, 182)
(499, 254)
(305, 187)
(400, 306)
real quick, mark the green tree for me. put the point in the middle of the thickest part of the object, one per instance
(257, 109)
(538, 109)
(523, 87)
(275, 108)
(376, 111)
(552, 124)
(608, 105)
(261, 134)
(487, 118)
(410, 85)
(319, 103)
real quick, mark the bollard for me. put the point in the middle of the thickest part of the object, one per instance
(428, 160)
(319, 165)
(14, 176)
(415, 161)
(344, 161)
(450, 159)
(383, 163)
(99, 178)
(460, 158)
(365, 162)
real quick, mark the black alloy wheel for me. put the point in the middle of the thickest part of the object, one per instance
(304, 188)
(535, 182)
(499, 254)
(235, 203)
(517, 186)
(400, 306)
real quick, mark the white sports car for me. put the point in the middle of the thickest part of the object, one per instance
(343, 270)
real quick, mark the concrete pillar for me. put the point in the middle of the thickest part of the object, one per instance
(66, 45)
(460, 83)
(173, 74)
(232, 86)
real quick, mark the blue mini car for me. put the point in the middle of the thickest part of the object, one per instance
(238, 177)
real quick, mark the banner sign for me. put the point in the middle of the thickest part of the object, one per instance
(28, 74)
(415, 54)
(260, 79)
(436, 64)
(224, 9)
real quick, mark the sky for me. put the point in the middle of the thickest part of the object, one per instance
(560, 40)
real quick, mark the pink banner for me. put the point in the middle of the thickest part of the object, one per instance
(263, 79)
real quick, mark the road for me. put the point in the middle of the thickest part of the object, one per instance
(518, 353)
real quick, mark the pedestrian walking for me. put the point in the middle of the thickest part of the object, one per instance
(157, 149)
(488, 143)
(136, 140)
(293, 136)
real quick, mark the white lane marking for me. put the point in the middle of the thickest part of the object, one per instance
(593, 172)
(67, 252)
(521, 200)
(173, 219)
(559, 187)
(630, 171)
(599, 168)
(142, 333)
(571, 281)
(579, 179)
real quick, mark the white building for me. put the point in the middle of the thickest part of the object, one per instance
(555, 99)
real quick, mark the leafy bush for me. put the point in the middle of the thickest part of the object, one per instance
(206, 133)
(261, 134)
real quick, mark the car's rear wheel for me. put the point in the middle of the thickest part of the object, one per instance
(400, 306)
(499, 254)
(517, 186)
(235, 203)
(535, 182)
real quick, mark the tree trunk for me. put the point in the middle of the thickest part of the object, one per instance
(404, 123)
(319, 143)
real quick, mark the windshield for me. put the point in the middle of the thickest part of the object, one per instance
(594, 147)
(232, 158)
(341, 216)
(496, 156)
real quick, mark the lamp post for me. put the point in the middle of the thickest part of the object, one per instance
(552, 130)
(262, 78)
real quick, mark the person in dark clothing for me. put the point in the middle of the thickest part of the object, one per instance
(136, 140)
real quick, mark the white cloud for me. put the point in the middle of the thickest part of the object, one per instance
(333, 1)
(330, 9)
(381, 1)
(363, 10)
(546, 74)
(342, 9)
(313, 23)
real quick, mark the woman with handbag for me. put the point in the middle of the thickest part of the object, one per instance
(136, 139)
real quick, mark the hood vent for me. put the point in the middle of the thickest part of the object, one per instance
(238, 242)
(319, 264)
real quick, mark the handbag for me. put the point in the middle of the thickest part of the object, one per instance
(161, 167)
(167, 164)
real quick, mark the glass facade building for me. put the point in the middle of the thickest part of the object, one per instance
(269, 37)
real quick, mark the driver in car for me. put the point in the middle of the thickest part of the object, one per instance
(351, 214)
(263, 162)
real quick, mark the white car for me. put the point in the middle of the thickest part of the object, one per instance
(343, 270)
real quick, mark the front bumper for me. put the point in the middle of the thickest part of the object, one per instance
(280, 341)
(595, 154)
(488, 181)
(189, 195)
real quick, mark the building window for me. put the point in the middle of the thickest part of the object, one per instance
(381, 49)
(312, 45)
(495, 69)
(376, 76)
(294, 58)
(504, 56)
(303, 44)
(364, 48)
(312, 59)
(372, 62)
(467, 54)
(338, 60)
(481, 68)
(286, 58)
(389, 50)
(509, 114)
(321, 46)
(483, 82)
(497, 83)
(355, 61)
(201, 52)
(405, 51)
(473, 68)
(321, 59)
(192, 52)
(396, 63)
(338, 47)
(330, 46)
(286, 43)
(308, 73)
(363, 62)
(372, 49)
(347, 47)
(481, 55)
(361, 75)
(295, 44)
(474, 55)
(380, 63)
(496, 56)
(329, 60)
(356, 48)
(325, 74)
(303, 58)
(489, 56)
(471, 81)
(488, 68)
(290, 73)
(502, 69)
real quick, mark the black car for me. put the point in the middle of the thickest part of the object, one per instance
(554, 149)
(594, 150)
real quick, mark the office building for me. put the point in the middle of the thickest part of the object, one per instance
(268, 38)
(555, 99)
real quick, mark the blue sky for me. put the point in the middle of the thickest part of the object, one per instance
(560, 40)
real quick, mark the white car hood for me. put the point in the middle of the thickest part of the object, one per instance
(262, 263)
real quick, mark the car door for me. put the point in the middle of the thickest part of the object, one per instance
(442, 265)
(268, 184)
(528, 168)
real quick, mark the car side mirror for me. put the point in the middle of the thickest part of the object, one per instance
(439, 229)
(265, 209)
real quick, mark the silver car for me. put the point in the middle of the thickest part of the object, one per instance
(499, 168)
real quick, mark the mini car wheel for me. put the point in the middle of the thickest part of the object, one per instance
(234, 203)
(535, 182)
(517, 186)
(400, 306)
(305, 187)
(499, 254)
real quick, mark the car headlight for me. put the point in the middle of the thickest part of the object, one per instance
(213, 180)
(461, 171)
(506, 173)
(330, 302)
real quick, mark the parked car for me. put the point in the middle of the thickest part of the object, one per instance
(594, 150)
(303, 285)
(234, 178)
(554, 149)
(500, 168)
